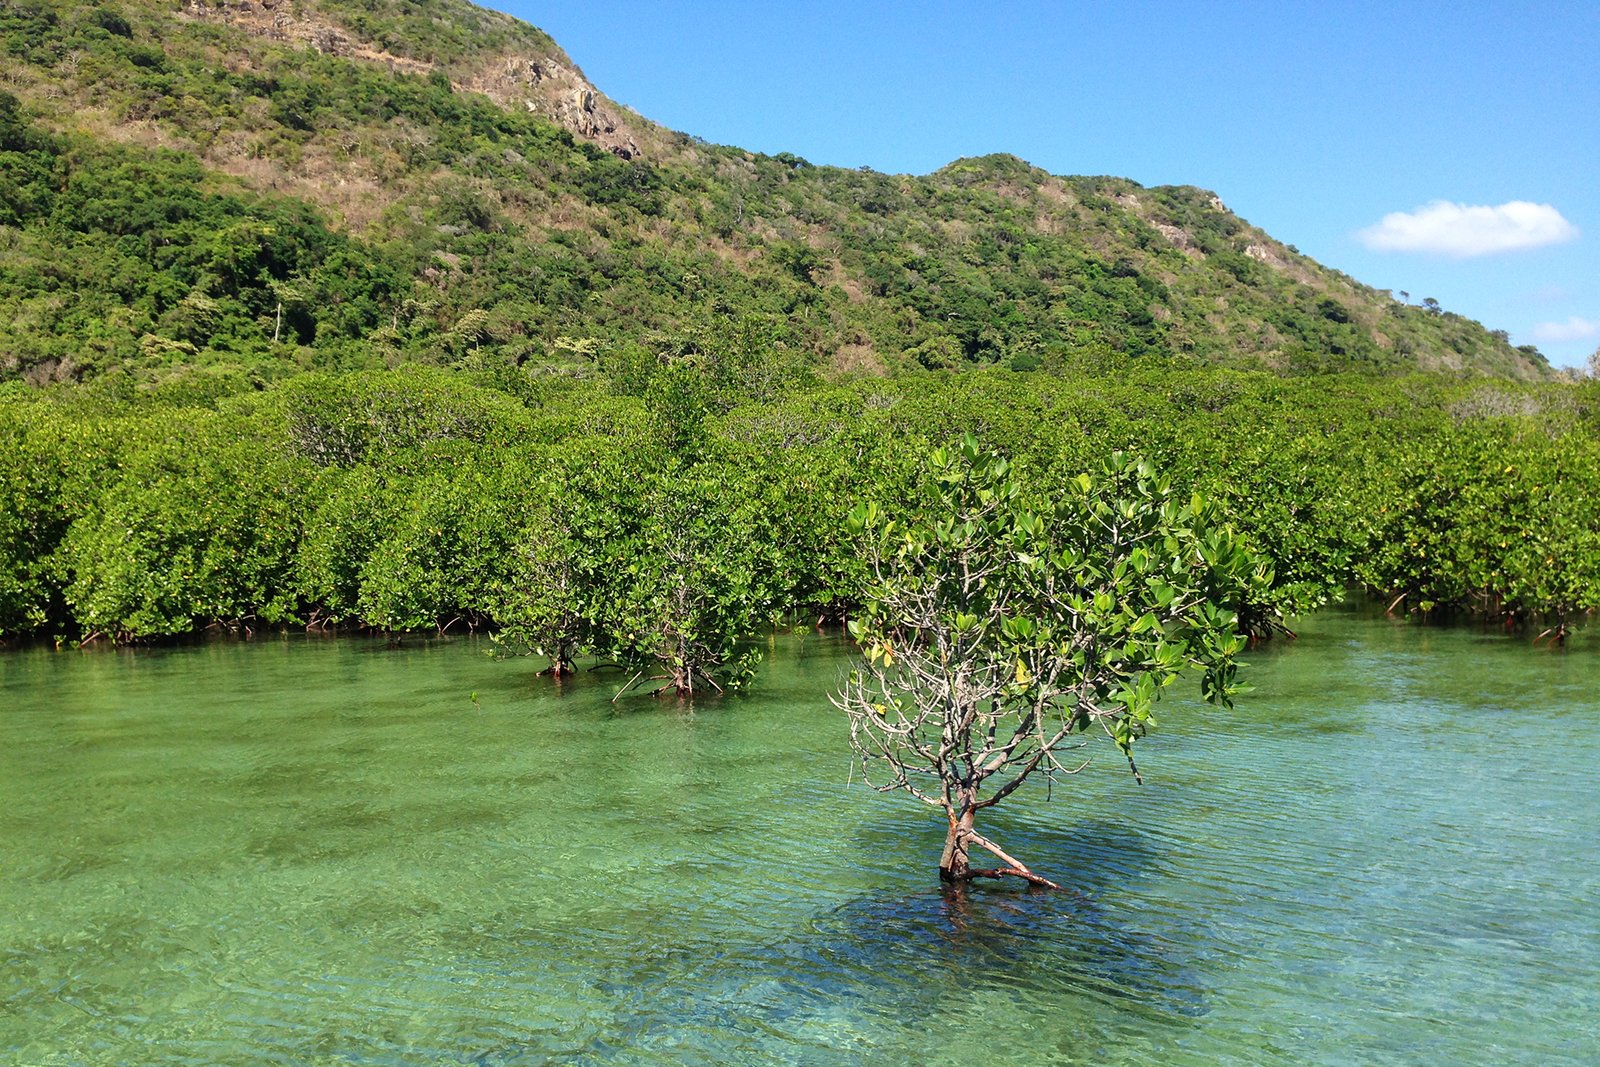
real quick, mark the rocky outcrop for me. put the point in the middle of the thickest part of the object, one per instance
(547, 86)
(1264, 254)
(277, 20)
(1181, 238)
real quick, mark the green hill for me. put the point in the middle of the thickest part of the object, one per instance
(220, 192)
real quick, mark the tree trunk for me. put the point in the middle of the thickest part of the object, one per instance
(954, 865)
(560, 659)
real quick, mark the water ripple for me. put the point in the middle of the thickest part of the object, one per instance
(344, 860)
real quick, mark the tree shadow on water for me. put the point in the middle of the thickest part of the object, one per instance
(912, 956)
(895, 969)
(1024, 939)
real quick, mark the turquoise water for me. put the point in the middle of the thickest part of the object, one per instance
(303, 852)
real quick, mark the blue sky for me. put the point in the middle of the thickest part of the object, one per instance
(1477, 126)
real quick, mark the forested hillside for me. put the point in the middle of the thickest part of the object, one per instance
(220, 193)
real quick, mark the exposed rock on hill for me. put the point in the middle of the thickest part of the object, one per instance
(542, 80)
(559, 91)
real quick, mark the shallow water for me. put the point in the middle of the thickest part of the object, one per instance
(299, 851)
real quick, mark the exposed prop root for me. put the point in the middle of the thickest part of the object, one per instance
(683, 687)
(630, 685)
(1016, 872)
(1013, 866)
(1557, 635)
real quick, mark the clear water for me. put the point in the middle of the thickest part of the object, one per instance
(324, 852)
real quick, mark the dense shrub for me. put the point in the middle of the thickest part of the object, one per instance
(663, 532)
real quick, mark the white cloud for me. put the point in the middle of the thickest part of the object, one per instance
(1574, 329)
(1463, 230)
